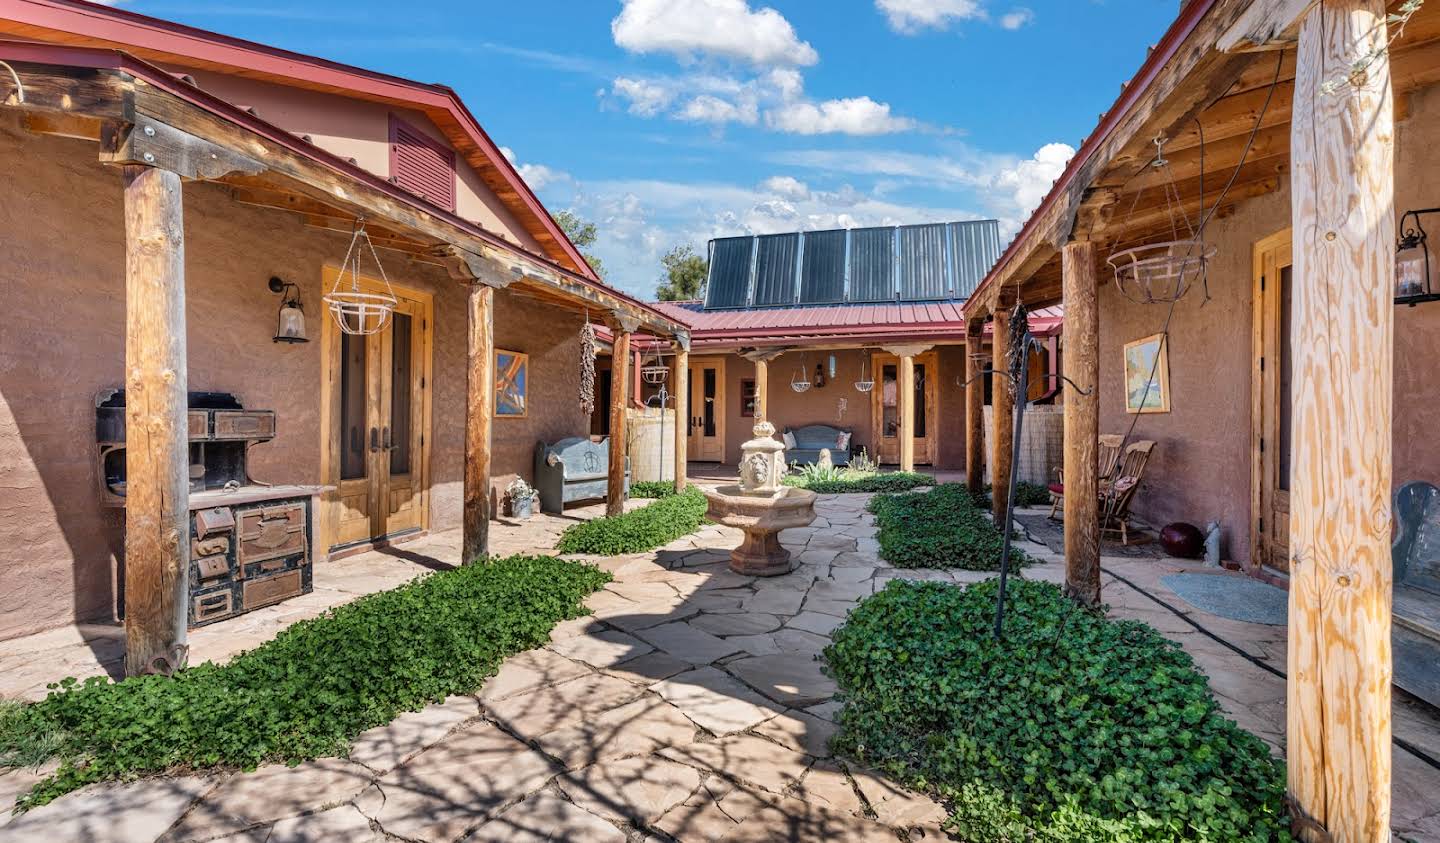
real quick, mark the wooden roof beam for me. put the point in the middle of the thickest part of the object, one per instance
(1265, 25)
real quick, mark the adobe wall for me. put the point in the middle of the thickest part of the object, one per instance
(62, 342)
(1202, 463)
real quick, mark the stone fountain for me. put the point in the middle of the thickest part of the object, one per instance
(761, 506)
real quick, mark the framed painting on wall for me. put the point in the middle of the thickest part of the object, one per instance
(1147, 375)
(512, 373)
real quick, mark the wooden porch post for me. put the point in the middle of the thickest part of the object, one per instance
(680, 379)
(974, 409)
(479, 415)
(157, 450)
(1342, 204)
(1002, 417)
(762, 388)
(1082, 425)
(623, 327)
(907, 413)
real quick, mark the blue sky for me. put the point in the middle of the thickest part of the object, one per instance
(674, 121)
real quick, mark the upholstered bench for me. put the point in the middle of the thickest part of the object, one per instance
(812, 438)
(573, 469)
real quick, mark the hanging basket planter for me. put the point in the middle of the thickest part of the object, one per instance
(1160, 273)
(355, 309)
(866, 383)
(655, 375)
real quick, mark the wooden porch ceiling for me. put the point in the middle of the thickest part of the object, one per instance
(1119, 199)
(144, 120)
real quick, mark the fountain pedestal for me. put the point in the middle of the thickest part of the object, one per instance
(761, 506)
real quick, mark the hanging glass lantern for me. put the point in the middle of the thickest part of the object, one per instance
(819, 376)
(290, 322)
(1412, 262)
(355, 310)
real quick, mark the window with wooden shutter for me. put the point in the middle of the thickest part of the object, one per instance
(421, 164)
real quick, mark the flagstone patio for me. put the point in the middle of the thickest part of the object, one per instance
(690, 706)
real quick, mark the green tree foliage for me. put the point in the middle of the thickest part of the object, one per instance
(583, 234)
(685, 274)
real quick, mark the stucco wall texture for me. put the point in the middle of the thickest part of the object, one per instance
(62, 342)
(1202, 462)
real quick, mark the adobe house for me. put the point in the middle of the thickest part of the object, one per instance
(1268, 155)
(158, 178)
(854, 331)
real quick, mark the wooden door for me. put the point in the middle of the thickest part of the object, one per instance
(885, 407)
(377, 427)
(1270, 414)
(705, 441)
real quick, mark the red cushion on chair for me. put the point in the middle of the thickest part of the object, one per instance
(1057, 488)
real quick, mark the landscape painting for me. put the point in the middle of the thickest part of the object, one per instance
(1147, 375)
(511, 383)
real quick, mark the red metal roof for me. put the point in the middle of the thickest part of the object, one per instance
(817, 324)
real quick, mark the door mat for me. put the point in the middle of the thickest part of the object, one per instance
(1236, 598)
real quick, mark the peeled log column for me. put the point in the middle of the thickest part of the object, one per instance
(907, 413)
(974, 411)
(1003, 417)
(619, 401)
(762, 390)
(479, 416)
(157, 450)
(680, 377)
(1082, 425)
(1342, 205)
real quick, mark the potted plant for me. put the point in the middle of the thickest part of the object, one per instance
(522, 498)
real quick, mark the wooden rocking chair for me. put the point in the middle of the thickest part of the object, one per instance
(1115, 496)
(1109, 457)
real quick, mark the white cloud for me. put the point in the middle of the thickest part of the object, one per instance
(708, 108)
(1016, 18)
(1028, 181)
(911, 16)
(718, 28)
(850, 116)
(537, 176)
(644, 98)
(788, 187)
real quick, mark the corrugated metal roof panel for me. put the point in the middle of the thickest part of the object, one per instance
(776, 256)
(974, 248)
(728, 284)
(822, 268)
(872, 264)
(922, 262)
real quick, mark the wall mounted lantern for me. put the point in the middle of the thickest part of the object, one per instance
(290, 324)
(1412, 262)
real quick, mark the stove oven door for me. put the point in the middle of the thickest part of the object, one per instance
(379, 401)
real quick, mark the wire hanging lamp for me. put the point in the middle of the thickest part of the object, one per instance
(800, 382)
(1160, 273)
(655, 372)
(355, 310)
(866, 383)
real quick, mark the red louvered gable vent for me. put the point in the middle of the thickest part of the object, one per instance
(422, 165)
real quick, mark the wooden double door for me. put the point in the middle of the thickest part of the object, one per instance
(1270, 399)
(378, 396)
(705, 436)
(885, 403)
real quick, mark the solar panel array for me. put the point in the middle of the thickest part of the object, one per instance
(930, 262)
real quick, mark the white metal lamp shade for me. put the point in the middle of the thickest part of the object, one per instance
(290, 321)
(1160, 273)
(355, 310)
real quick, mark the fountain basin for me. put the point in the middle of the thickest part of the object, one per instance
(761, 517)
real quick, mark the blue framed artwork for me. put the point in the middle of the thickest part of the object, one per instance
(511, 384)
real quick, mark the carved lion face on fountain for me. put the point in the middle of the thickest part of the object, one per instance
(754, 471)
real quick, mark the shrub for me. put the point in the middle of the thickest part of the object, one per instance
(312, 689)
(845, 481)
(652, 489)
(940, 528)
(1026, 494)
(1073, 727)
(647, 528)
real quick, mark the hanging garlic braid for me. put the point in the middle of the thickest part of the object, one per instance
(587, 367)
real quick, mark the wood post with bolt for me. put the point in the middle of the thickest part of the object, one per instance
(619, 405)
(1082, 424)
(157, 449)
(1342, 205)
(1002, 417)
(906, 386)
(680, 379)
(479, 420)
(974, 409)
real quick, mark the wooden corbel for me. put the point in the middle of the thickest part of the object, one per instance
(469, 268)
(621, 322)
(151, 143)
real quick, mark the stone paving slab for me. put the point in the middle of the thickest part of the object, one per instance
(273, 792)
(684, 641)
(636, 789)
(546, 817)
(343, 823)
(794, 679)
(134, 812)
(545, 709)
(602, 649)
(745, 758)
(715, 700)
(636, 728)
(384, 747)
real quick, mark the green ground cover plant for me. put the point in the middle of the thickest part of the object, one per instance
(308, 692)
(838, 481)
(638, 530)
(1073, 727)
(939, 528)
(1026, 494)
(652, 489)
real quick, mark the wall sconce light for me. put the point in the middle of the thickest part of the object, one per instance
(290, 323)
(1412, 262)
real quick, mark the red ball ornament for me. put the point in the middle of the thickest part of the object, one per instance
(1182, 540)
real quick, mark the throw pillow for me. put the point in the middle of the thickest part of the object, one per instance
(842, 442)
(789, 440)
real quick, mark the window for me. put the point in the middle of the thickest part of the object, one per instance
(747, 398)
(421, 164)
